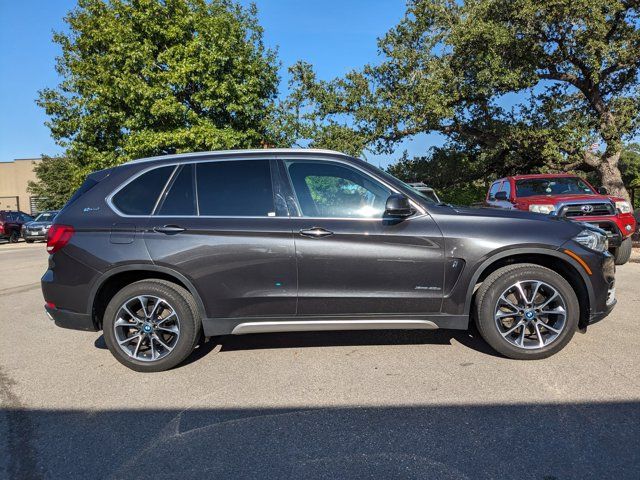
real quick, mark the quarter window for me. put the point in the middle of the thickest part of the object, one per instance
(139, 196)
(332, 190)
(235, 188)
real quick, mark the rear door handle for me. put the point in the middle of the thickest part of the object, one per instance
(169, 229)
(315, 232)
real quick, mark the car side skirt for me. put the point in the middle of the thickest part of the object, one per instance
(240, 326)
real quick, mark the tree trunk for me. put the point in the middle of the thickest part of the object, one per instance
(610, 174)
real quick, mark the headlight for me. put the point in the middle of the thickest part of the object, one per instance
(542, 208)
(593, 240)
(623, 207)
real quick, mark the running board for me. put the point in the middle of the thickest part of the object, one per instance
(327, 325)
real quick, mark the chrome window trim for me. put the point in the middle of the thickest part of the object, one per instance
(184, 159)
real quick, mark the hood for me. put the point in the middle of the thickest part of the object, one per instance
(556, 199)
(38, 224)
(504, 213)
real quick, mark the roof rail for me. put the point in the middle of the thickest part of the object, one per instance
(305, 151)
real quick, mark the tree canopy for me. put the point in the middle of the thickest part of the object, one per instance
(151, 77)
(453, 67)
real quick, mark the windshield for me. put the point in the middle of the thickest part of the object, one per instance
(552, 186)
(46, 217)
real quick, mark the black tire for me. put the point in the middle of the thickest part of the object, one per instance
(14, 237)
(622, 254)
(498, 282)
(189, 323)
(29, 241)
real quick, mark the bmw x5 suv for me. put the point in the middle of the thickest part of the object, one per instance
(160, 252)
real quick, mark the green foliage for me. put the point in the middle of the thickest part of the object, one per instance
(447, 67)
(152, 77)
(630, 169)
(55, 176)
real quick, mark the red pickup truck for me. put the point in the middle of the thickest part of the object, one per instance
(571, 197)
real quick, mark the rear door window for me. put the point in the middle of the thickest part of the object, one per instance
(139, 196)
(240, 188)
(180, 200)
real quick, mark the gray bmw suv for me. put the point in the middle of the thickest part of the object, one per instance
(163, 251)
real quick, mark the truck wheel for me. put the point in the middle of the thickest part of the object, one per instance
(151, 325)
(622, 254)
(526, 311)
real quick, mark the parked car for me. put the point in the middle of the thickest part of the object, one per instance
(38, 228)
(11, 222)
(426, 191)
(569, 196)
(161, 251)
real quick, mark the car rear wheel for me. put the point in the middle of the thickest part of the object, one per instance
(14, 237)
(28, 240)
(526, 311)
(622, 254)
(151, 325)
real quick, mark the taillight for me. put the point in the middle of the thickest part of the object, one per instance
(1, 227)
(58, 236)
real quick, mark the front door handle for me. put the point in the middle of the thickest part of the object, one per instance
(315, 232)
(169, 229)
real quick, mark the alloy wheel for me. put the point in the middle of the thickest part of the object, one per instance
(147, 328)
(530, 314)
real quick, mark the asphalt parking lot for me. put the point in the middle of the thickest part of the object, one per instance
(411, 404)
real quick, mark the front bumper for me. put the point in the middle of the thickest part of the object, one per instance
(72, 320)
(617, 227)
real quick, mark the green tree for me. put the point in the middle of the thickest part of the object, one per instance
(152, 77)
(56, 175)
(451, 67)
(630, 169)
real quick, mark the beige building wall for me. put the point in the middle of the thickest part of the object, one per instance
(14, 178)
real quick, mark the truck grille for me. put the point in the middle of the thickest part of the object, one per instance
(587, 210)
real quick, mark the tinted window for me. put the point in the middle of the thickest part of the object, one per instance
(235, 188)
(181, 199)
(139, 196)
(331, 190)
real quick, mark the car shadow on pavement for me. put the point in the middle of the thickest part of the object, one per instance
(525, 441)
(230, 343)
(353, 338)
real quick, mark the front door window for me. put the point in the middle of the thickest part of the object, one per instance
(330, 190)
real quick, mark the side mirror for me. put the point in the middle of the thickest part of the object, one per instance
(501, 196)
(603, 191)
(398, 206)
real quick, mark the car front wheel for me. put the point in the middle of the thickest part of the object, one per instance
(151, 325)
(526, 311)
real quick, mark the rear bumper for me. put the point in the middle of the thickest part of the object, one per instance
(67, 319)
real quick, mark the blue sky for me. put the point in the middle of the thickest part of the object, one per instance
(335, 36)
